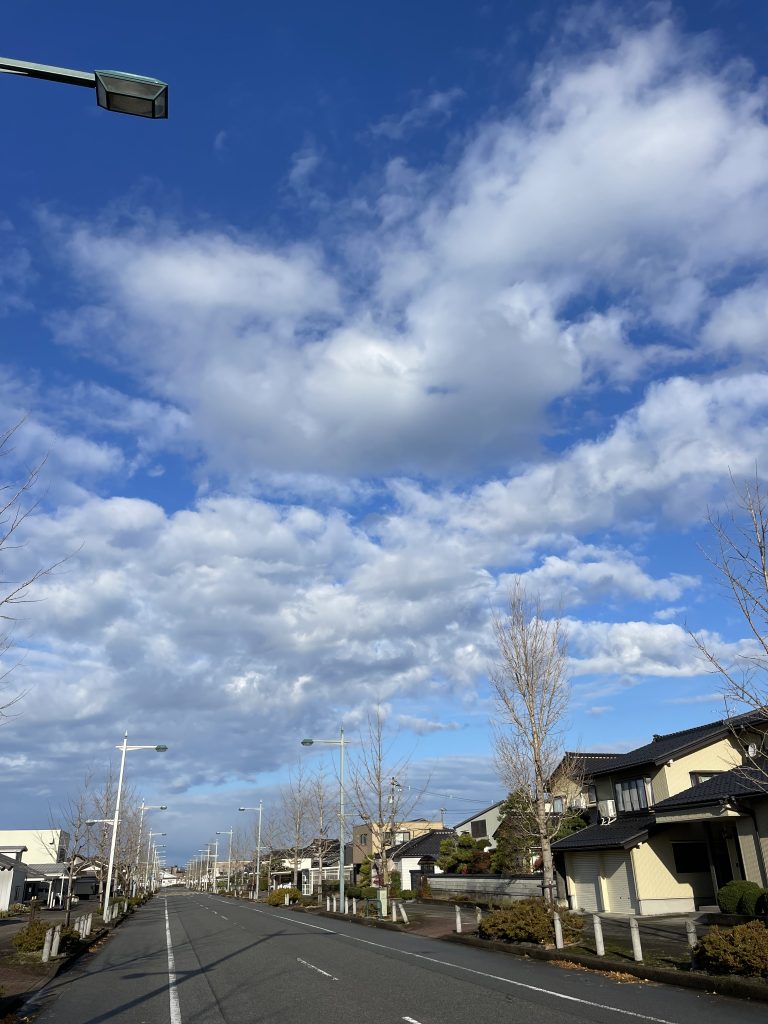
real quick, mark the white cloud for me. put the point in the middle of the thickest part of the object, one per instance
(739, 323)
(473, 297)
(436, 107)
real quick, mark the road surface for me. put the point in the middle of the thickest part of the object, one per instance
(195, 958)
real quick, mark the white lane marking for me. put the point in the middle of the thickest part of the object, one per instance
(411, 1020)
(224, 918)
(469, 970)
(173, 995)
(319, 971)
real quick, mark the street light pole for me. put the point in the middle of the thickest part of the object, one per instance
(258, 846)
(229, 859)
(340, 743)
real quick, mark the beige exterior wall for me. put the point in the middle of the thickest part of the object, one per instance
(492, 820)
(655, 875)
(363, 836)
(43, 844)
(717, 757)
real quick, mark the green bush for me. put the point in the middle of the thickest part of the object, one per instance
(31, 938)
(353, 891)
(369, 892)
(277, 897)
(528, 921)
(739, 950)
(19, 908)
(406, 894)
(395, 881)
(738, 897)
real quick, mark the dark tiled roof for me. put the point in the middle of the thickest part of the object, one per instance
(665, 746)
(427, 845)
(738, 782)
(599, 837)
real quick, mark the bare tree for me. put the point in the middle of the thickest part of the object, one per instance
(74, 814)
(741, 560)
(378, 790)
(532, 692)
(16, 505)
(295, 797)
(322, 816)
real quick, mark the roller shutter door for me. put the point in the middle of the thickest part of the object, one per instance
(620, 890)
(583, 871)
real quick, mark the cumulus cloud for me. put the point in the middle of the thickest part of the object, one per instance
(481, 292)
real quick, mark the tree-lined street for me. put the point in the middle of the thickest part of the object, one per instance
(192, 957)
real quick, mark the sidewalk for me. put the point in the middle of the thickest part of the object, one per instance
(19, 980)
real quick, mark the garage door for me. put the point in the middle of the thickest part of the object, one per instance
(583, 871)
(620, 891)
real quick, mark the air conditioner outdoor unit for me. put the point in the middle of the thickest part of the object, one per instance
(607, 810)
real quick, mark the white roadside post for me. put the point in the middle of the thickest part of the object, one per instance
(598, 926)
(637, 950)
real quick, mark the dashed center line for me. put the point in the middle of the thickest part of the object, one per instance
(319, 970)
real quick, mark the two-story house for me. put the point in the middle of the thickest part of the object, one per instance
(366, 838)
(639, 855)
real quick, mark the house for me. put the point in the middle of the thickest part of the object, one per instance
(482, 825)
(416, 857)
(365, 837)
(13, 873)
(642, 853)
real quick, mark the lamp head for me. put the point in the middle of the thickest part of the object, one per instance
(132, 94)
(307, 743)
(161, 748)
(163, 807)
(241, 808)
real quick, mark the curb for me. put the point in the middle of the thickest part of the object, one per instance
(716, 984)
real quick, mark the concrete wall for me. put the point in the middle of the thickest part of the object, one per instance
(485, 888)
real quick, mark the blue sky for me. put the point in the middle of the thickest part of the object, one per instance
(401, 301)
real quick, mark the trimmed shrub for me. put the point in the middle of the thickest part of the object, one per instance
(738, 897)
(406, 894)
(31, 938)
(369, 892)
(739, 950)
(353, 891)
(528, 921)
(395, 882)
(277, 897)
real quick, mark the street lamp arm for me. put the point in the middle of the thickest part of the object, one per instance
(51, 74)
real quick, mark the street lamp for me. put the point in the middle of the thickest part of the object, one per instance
(149, 846)
(144, 807)
(123, 748)
(229, 860)
(120, 91)
(258, 846)
(340, 743)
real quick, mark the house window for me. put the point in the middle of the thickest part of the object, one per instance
(479, 829)
(557, 805)
(630, 795)
(591, 794)
(698, 777)
(363, 838)
(427, 867)
(690, 858)
(402, 837)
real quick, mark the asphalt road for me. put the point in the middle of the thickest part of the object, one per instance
(192, 958)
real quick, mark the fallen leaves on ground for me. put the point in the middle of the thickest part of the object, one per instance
(620, 976)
